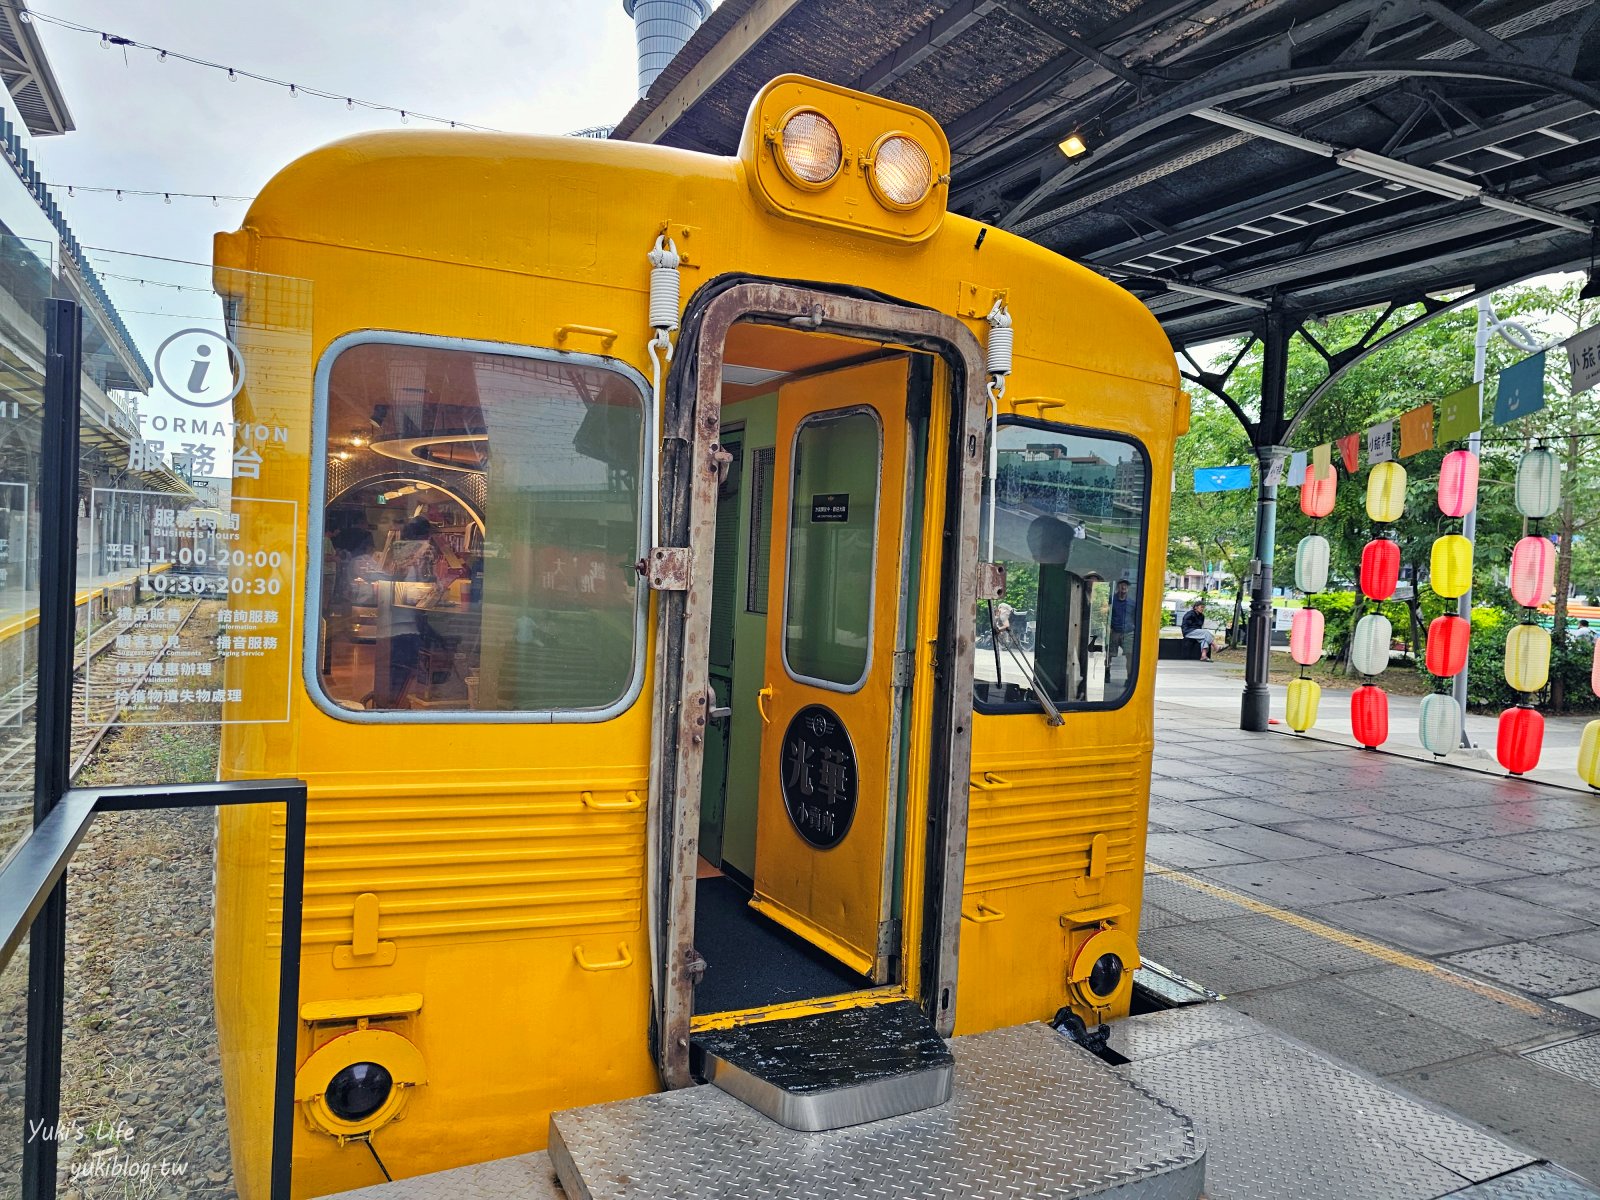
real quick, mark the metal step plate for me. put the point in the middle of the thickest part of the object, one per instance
(832, 1069)
(1030, 1115)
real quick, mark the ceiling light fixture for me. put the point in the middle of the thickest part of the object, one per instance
(1591, 290)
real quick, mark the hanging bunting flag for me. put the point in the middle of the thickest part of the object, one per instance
(1350, 452)
(1583, 352)
(1297, 469)
(1274, 474)
(1221, 479)
(1416, 431)
(1322, 461)
(1521, 390)
(1380, 442)
(1459, 413)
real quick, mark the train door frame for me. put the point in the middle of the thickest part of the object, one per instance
(691, 459)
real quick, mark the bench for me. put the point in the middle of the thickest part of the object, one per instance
(1177, 647)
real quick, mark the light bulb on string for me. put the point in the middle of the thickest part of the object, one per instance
(232, 78)
(404, 120)
(294, 92)
(161, 56)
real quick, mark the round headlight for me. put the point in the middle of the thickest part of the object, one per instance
(809, 148)
(1105, 975)
(902, 173)
(358, 1091)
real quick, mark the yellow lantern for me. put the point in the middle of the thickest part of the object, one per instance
(1588, 753)
(1386, 492)
(1528, 658)
(1450, 571)
(1304, 695)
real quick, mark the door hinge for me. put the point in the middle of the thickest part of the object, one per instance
(905, 668)
(889, 938)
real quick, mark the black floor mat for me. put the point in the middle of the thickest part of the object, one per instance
(751, 961)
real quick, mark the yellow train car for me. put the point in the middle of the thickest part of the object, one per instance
(654, 679)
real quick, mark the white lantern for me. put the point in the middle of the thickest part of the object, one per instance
(1538, 483)
(1369, 645)
(1439, 724)
(1311, 563)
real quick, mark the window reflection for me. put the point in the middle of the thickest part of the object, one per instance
(480, 533)
(1069, 530)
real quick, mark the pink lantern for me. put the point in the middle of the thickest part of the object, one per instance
(1519, 740)
(1380, 568)
(1305, 636)
(1533, 571)
(1316, 495)
(1594, 671)
(1458, 483)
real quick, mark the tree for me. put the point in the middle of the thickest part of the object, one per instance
(1212, 526)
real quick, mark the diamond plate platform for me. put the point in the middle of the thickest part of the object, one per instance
(1579, 1058)
(1031, 1115)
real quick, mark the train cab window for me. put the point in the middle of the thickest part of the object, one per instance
(1069, 529)
(832, 526)
(480, 525)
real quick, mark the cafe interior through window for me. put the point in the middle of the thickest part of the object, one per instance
(480, 532)
(1069, 531)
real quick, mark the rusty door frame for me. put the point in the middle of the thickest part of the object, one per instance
(691, 460)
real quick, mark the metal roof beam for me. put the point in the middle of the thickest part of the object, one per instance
(955, 20)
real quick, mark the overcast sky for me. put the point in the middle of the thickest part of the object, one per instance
(545, 66)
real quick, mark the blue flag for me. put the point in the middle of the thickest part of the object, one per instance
(1521, 390)
(1221, 479)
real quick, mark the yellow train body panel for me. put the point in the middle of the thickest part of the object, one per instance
(509, 859)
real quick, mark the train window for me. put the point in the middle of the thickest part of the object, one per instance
(833, 521)
(1070, 526)
(481, 521)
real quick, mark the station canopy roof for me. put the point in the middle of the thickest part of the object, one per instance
(1318, 157)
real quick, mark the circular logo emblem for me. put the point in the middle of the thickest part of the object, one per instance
(819, 776)
(200, 367)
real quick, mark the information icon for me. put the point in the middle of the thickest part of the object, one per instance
(200, 368)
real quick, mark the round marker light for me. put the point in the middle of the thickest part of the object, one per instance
(902, 173)
(1105, 975)
(358, 1091)
(809, 148)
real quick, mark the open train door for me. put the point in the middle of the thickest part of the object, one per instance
(831, 701)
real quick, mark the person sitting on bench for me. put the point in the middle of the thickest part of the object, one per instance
(1194, 627)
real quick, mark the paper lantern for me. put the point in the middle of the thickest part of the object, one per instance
(1304, 696)
(1588, 753)
(1458, 483)
(1316, 495)
(1448, 639)
(1594, 670)
(1380, 568)
(1439, 724)
(1538, 483)
(1311, 563)
(1519, 739)
(1528, 658)
(1369, 715)
(1450, 566)
(1369, 644)
(1533, 571)
(1305, 636)
(1386, 492)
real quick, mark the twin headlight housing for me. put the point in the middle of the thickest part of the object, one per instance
(810, 147)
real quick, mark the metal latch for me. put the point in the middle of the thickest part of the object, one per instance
(904, 668)
(667, 569)
(991, 581)
(695, 967)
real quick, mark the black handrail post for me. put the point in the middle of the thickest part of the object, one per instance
(58, 570)
(294, 874)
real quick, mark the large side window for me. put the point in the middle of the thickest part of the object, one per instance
(1069, 529)
(481, 520)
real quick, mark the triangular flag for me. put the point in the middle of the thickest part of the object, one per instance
(1380, 442)
(1297, 469)
(1350, 452)
(1416, 431)
(1322, 461)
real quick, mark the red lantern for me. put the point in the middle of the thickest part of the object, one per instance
(1447, 645)
(1369, 715)
(1316, 495)
(1380, 568)
(1520, 739)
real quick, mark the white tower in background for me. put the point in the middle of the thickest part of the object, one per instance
(662, 27)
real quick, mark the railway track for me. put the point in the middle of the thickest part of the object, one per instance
(17, 730)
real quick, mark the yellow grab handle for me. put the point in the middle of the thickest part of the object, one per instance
(623, 959)
(992, 783)
(983, 914)
(629, 802)
(761, 702)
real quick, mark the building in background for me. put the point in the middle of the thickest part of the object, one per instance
(661, 28)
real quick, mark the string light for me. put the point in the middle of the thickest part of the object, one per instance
(74, 188)
(108, 40)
